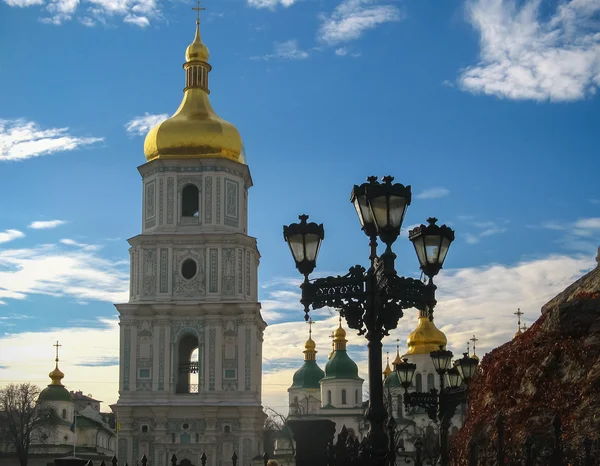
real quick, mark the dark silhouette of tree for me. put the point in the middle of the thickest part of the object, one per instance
(23, 420)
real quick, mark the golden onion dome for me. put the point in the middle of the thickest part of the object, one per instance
(339, 334)
(310, 345)
(195, 130)
(426, 337)
(56, 375)
(197, 51)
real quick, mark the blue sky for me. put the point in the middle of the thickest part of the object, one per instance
(488, 108)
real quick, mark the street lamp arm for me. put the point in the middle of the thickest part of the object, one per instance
(336, 292)
(408, 292)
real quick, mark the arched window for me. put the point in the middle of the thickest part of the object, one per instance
(328, 397)
(419, 382)
(64, 414)
(356, 397)
(430, 382)
(172, 438)
(343, 396)
(227, 429)
(189, 201)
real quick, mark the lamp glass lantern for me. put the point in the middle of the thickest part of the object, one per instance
(387, 203)
(405, 371)
(358, 197)
(431, 244)
(304, 240)
(467, 366)
(453, 377)
(442, 359)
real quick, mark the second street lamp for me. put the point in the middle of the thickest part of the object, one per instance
(372, 300)
(440, 405)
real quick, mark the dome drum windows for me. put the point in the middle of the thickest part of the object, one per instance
(190, 201)
(196, 76)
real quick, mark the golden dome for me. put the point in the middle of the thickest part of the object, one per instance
(197, 51)
(388, 370)
(56, 375)
(195, 130)
(310, 345)
(339, 334)
(426, 338)
(398, 359)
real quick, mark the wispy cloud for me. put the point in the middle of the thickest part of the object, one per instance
(10, 235)
(21, 139)
(65, 269)
(92, 12)
(270, 4)
(287, 50)
(352, 18)
(433, 193)
(485, 229)
(46, 224)
(526, 56)
(140, 125)
(578, 235)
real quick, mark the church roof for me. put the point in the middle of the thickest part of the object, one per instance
(308, 376)
(55, 393)
(340, 366)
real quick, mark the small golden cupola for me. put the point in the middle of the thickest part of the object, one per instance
(388, 370)
(195, 130)
(55, 391)
(310, 351)
(426, 337)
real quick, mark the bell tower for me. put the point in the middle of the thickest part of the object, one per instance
(191, 334)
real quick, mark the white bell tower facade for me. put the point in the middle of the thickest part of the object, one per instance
(191, 334)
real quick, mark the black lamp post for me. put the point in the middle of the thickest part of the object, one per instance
(372, 300)
(440, 405)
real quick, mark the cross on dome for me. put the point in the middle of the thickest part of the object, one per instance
(57, 346)
(198, 9)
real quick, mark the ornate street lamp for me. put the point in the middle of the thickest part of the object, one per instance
(304, 240)
(440, 405)
(372, 301)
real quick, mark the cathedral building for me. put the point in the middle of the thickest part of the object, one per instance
(191, 334)
(335, 393)
(82, 429)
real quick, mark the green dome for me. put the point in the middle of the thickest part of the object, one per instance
(340, 366)
(55, 393)
(308, 376)
(392, 380)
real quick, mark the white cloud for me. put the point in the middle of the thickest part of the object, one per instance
(351, 18)
(23, 3)
(66, 269)
(525, 56)
(46, 224)
(270, 4)
(20, 140)
(287, 50)
(433, 193)
(140, 125)
(486, 228)
(9, 235)
(341, 52)
(136, 12)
